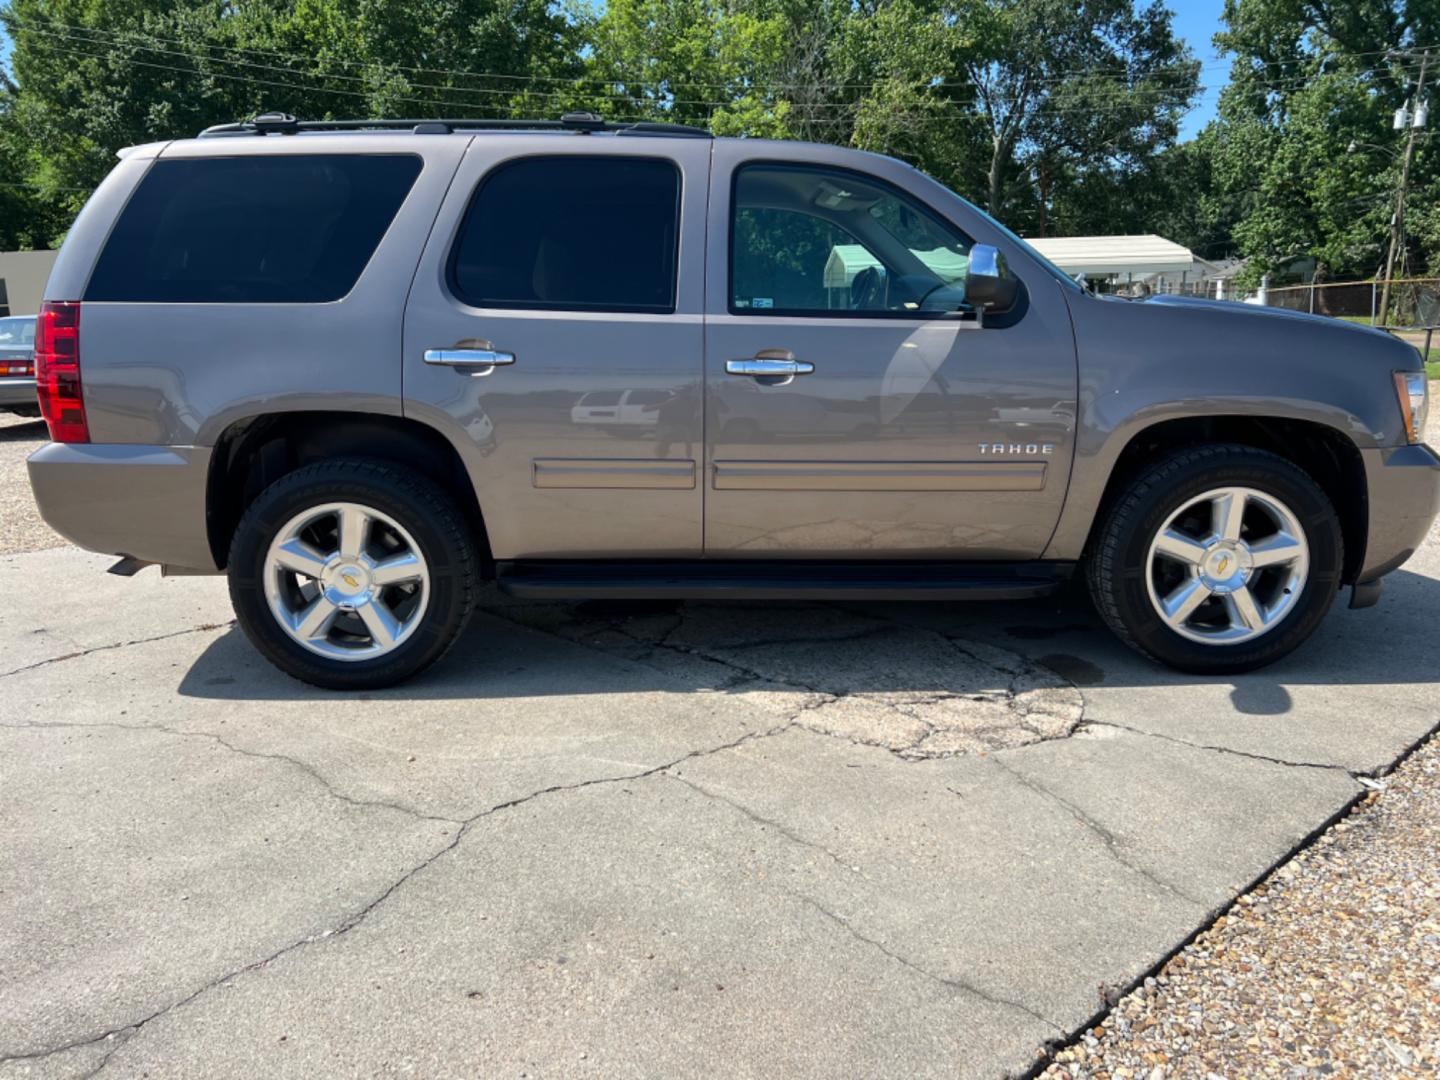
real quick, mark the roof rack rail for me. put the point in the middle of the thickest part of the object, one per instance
(581, 123)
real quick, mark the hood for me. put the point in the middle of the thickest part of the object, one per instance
(1259, 311)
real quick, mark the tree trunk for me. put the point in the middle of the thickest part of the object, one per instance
(1043, 178)
(998, 156)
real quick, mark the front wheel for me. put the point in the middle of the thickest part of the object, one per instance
(352, 574)
(1217, 560)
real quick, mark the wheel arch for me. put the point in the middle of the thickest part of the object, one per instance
(254, 452)
(1327, 454)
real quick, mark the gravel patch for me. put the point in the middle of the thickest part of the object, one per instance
(20, 526)
(1331, 967)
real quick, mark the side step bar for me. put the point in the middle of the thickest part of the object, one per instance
(778, 580)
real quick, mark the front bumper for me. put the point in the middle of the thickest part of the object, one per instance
(147, 502)
(17, 391)
(1403, 483)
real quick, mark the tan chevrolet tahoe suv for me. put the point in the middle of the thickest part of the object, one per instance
(361, 367)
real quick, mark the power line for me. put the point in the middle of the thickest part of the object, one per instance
(1126, 77)
(1154, 97)
(253, 81)
(943, 107)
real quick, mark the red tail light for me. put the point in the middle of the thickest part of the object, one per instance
(57, 371)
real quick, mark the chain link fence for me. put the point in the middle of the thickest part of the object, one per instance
(1414, 302)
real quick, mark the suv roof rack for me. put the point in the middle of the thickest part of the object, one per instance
(581, 123)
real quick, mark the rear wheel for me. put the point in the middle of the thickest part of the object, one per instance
(352, 574)
(1218, 559)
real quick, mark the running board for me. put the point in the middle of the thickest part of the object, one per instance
(779, 580)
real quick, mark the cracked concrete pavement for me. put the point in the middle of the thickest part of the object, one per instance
(637, 839)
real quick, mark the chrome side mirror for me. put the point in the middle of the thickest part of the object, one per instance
(988, 284)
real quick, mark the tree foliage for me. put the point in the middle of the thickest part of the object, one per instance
(1059, 116)
(1303, 159)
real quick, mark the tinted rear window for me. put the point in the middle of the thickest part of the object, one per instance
(571, 233)
(252, 230)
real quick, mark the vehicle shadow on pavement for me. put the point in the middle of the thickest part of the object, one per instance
(525, 650)
(27, 431)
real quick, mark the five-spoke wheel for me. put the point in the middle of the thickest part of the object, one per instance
(1228, 565)
(346, 581)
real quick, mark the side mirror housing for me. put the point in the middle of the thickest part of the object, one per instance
(988, 284)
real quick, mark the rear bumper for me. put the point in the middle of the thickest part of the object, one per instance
(15, 391)
(147, 502)
(1403, 483)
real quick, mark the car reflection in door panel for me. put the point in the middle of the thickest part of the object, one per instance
(625, 414)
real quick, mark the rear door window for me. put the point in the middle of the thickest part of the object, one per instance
(252, 230)
(571, 233)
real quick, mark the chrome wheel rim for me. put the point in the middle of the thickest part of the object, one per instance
(1227, 566)
(346, 581)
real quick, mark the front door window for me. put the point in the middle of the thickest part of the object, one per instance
(810, 241)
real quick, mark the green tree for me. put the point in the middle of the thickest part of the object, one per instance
(92, 76)
(1304, 151)
(821, 70)
(1071, 92)
(1057, 115)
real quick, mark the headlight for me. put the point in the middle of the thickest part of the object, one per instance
(1414, 393)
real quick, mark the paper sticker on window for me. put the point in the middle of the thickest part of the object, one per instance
(762, 301)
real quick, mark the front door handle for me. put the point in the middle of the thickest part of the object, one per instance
(766, 366)
(470, 354)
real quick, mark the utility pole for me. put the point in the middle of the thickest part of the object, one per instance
(1414, 121)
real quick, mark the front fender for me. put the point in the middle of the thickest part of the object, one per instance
(1143, 364)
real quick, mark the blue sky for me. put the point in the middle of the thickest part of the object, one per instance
(1197, 21)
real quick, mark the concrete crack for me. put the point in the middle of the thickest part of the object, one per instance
(124, 1032)
(1110, 841)
(822, 639)
(752, 673)
(910, 965)
(306, 768)
(115, 645)
(1218, 749)
(1011, 683)
(762, 821)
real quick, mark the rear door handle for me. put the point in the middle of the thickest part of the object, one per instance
(766, 366)
(455, 357)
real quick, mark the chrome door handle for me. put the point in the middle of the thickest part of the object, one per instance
(766, 366)
(469, 358)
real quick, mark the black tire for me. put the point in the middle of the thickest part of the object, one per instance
(422, 508)
(1117, 564)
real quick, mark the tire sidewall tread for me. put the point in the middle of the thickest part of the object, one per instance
(1117, 564)
(426, 512)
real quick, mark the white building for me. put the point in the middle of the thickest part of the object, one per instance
(1120, 260)
(22, 280)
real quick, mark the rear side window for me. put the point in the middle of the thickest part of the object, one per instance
(252, 230)
(571, 233)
